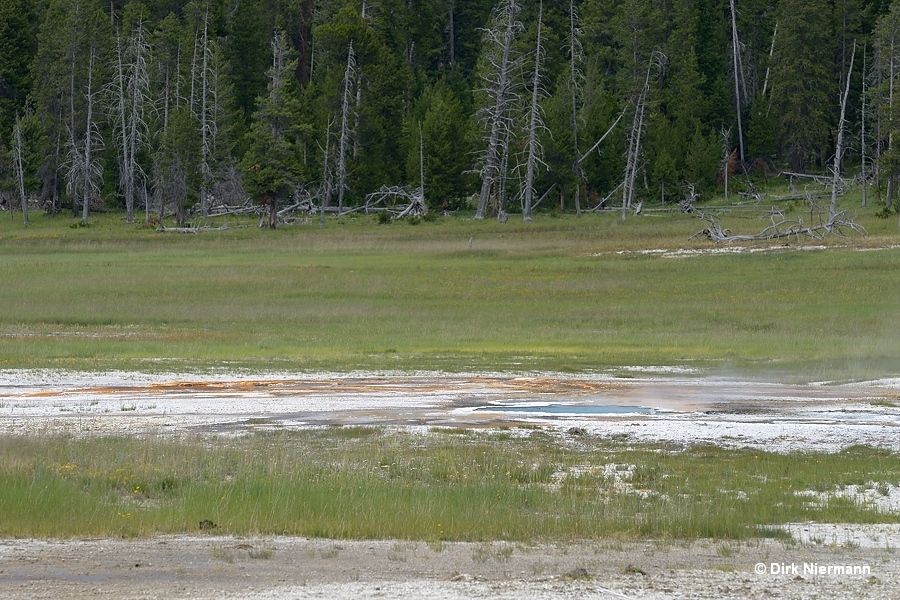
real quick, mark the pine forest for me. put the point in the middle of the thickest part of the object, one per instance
(183, 109)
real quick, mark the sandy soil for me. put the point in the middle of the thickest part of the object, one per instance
(668, 405)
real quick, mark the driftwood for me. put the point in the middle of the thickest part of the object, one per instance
(781, 227)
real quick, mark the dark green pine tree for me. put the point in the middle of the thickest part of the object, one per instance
(381, 97)
(17, 44)
(712, 51)
(247, 52)
(801, 80)
(885, 98)
(70, 68)
(176, 177)
(271, 166)
(445, 138)
(465, 21)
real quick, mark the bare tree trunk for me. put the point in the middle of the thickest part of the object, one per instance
(535, 122)
(356, 116)
(634, 140)
(738, 71)
(140, 99)
(452, 34)
(421, 165)
(574, 79)
(88, 145)
(326, 177)
(192, 99)
(839, 151)
(602, 137)
(891, 175)
(204, 116)
(862, 133)
(349, 76)
(502, 215)
(133, 91)
(769, 65)
(726, 156)
(18, 151)
(121, 99)
(73, 143)
(500, 89)
(178, 77)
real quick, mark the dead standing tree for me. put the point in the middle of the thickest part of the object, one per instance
(206, 104)
(344, 140)
(132, 99)
(884, 73)
(780, 226)
(535, 123)
(84, 173)
(18, 149)
(576, 78)
(839, 150)
(864, 176)
(500, 88)
(325, 190)
(738, 75)
(632, 159)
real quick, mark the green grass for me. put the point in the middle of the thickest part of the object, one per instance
(432, 488)
(563, 293)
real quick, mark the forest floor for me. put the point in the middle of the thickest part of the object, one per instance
(661, 405)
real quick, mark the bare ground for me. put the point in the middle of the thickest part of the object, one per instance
(281, 568)
(684, 410)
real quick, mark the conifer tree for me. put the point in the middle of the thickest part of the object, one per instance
(270, 166)
(176, 178)
(801, 80)
(16, 52)
(885, 93)
(445, 134)
(69, 70)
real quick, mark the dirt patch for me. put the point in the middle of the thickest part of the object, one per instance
(276, 568)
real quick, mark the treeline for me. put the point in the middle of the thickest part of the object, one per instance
(169, 107)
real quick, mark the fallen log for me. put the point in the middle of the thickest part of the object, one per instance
(164, 229)
(780, 228)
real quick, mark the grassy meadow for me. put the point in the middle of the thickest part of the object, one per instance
(563, 293)
(367, 483)
(573, 294)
